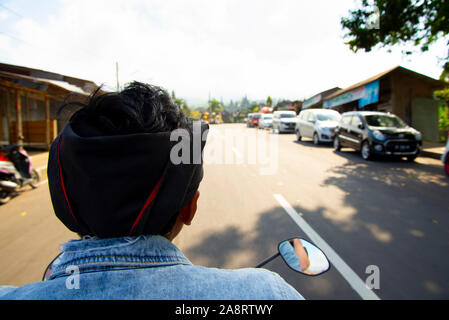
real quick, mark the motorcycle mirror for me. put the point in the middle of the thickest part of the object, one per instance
(304, 257)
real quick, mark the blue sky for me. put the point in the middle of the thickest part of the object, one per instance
(285, 49)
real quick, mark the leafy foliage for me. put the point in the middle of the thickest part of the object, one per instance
(215, 106)
(443, 112)
(269, 101)
(181, 103)
(420, 22)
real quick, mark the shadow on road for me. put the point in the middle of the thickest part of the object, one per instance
(218, 249)
(309, 143)
(400, 222)
(224, 244)
(391, 164)
(411, 258)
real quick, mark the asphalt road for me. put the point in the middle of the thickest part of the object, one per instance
(386, 213)
(390, 214)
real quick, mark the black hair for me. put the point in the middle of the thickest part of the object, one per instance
(138, 108)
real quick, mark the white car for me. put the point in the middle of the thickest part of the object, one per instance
(266, 120)
(284, 121)
(445, 157)
(317, 124)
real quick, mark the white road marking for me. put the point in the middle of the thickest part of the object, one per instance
(353, 279)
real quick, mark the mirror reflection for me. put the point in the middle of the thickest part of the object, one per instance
(303, 256)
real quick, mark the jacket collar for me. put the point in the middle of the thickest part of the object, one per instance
(94, 254)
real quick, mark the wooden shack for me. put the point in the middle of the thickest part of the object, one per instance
(29, 100)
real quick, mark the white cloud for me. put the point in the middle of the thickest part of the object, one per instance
(290, 49)
(3, 15)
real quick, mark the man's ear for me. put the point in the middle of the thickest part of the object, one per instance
(188, 212)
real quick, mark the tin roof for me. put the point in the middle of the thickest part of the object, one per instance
(438, 83)
(319, 97)
(41, 80)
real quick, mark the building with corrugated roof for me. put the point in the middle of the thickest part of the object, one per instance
(403, 92)
(29, 99)
(317, 100)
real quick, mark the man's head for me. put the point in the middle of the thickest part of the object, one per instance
(109, 170)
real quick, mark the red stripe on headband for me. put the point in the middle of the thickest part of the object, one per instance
(149, 200)
(62, 183)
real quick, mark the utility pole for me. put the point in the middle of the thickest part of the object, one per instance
(209, 104)
(116, 75)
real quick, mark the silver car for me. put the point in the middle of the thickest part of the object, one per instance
(317, 124)
(265, 121)
(284, 121)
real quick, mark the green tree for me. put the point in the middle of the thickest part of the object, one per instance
(417, 22)
(443, 111)
(269, 101)
(181, 103)
(215, 106)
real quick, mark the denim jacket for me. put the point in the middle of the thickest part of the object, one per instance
(145, 267)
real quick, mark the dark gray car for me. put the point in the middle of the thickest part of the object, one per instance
(377, 133)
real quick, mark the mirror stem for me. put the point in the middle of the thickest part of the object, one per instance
(268, 260)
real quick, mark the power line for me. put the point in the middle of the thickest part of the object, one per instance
(18, 39)
(31, 44)
(12, 11)
(64, 53)
(14, 37)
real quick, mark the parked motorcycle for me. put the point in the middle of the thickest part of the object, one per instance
(16, 171)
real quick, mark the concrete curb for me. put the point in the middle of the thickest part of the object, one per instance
(42, 171)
